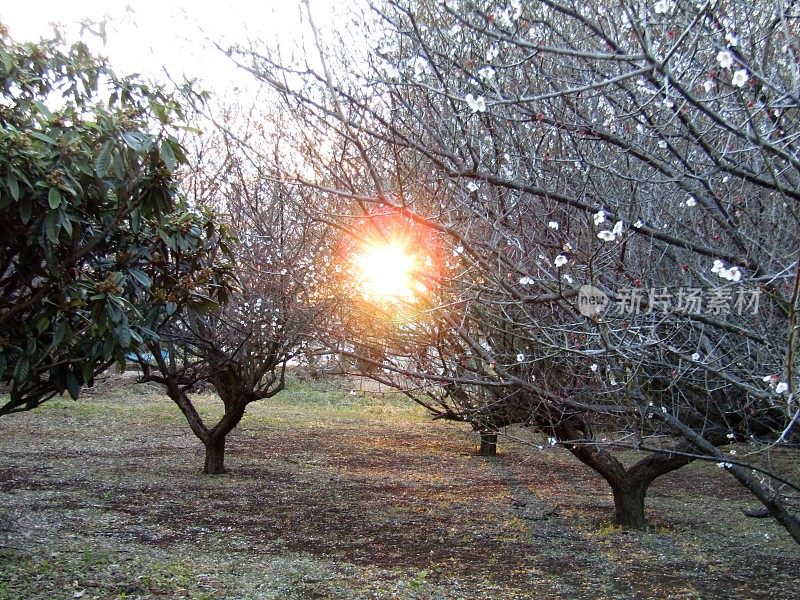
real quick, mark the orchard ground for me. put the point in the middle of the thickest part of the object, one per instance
(339, 495)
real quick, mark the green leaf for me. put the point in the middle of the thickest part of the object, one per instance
(148, 333)
(168, 156)
(65, 221)
(42, 325)
(22, 369)
(45, 138)
(103, 161)
(61, 333)
(160, 112)
(138, 142)
(136, 220)
(73, 386)
(180, 155)
(87, 371)
(118, 166)
(54, 198)
(195, 130)
(113, 312)
(13, 186)
(43, 109)
(25, 209)
(203, 305)
(124, 335)
(108, 348)
(52, 226)
(141, 277)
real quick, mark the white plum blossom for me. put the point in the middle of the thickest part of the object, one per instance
(724, 465)
(610, 235)
(458, 250)
(662, 144)
(782, 388)
(708, 86)
(696, 356)
(725, 59)
(740, 78)
(663, 6)
(526, 281)
(638, 224)
(391, 72)
(731, 39)
(486, 73)
(691, 201)
(475, 104)
(520, 357)
(419, 65)
(504, 17)
(567, 278)
(473, 186)
(593, 368)
(492, 53)
(599, 217)
(734, 274)
(553, 225)
(561, 260)
(731, 274)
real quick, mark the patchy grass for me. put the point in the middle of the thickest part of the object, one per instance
(334, 494)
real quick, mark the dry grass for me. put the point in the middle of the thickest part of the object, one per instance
(335, 495)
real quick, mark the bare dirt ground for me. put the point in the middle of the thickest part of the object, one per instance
(340, 495)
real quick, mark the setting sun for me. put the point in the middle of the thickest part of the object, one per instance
(386, 272)
(390, 260)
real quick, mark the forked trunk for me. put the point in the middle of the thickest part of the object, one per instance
(215, 456)
(629, 503)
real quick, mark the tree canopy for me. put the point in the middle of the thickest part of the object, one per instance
(94, 230)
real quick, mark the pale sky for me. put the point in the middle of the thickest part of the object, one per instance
(147, 36)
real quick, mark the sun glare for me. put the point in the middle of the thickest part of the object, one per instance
(386, 271)
(391, 261)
